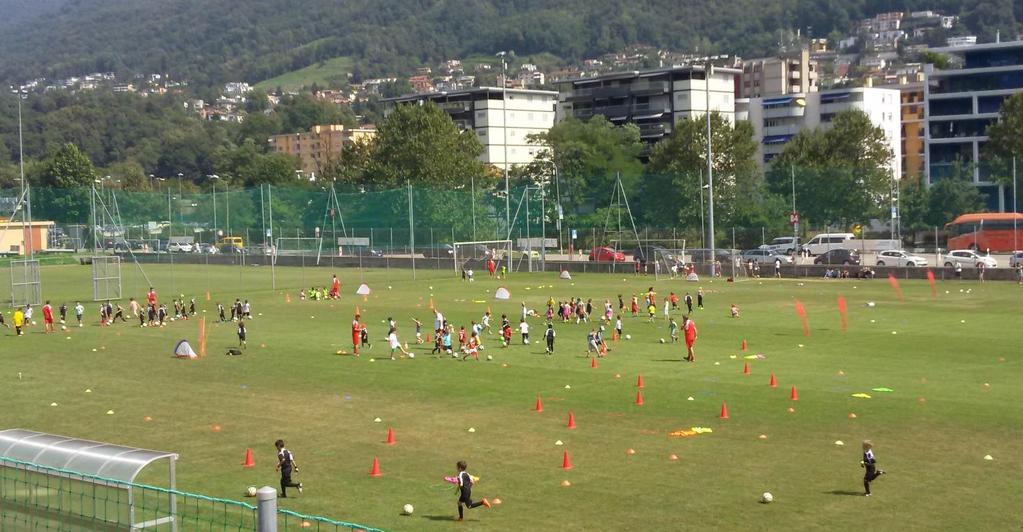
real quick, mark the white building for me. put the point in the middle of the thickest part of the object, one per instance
(776, 120)
(237, 88)
(501, 119)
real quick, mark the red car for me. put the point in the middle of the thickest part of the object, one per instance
(606, 254)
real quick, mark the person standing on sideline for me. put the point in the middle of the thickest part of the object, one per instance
(870, 464)
(286, 465)
(980, 271)
(689, 328)
(465, 491)
(335, 287)
(549, 336)
(777, 268)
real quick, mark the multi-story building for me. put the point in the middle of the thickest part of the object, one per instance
(501, 119)
(320, 146)
(962, 102)
(776, 120)
(913, 125)
(778, 76)
(654, 100)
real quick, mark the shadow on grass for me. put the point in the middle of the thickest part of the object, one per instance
(440, 518)
(844, 492)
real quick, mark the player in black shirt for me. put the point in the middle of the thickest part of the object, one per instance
(286, 465)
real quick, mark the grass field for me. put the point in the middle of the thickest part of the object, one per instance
(324, 74)
(954, 365)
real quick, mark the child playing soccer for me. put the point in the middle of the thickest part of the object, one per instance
(486, 323)
(506, 333)
(220, 311)
(465, 489)
(471, 349)
(79, 312)
(419, 330)
(699, 298)
(524, 331)
(63, 312)
(689, 303)
(286, 465)
(549, 336)
(870, 464)
(618, 325)
(19, 321)
(673, 330)
(735, 311)
(635, 306)
(651, 311)
(392, 339)
(241, 334)
(447, 341)
(364, 336)
(438, 343)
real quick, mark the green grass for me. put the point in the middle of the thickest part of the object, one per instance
(324, 73)
(931, 433)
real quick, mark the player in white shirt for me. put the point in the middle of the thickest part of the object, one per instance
(392, 338)
(524, 331)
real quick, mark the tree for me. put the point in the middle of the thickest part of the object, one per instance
(952, 196)
(67, 179)
(587, 156)
(69, 168)
(422, 144)
(1005, 139)
(914, 205)
(842, 174)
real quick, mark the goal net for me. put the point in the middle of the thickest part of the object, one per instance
(474, 255)
(682, 263)
(26, 287)
(296, 246)
(106, 278)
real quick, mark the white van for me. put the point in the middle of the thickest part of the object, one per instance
(827, 241)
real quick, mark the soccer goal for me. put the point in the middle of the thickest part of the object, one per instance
(26, 287)
(474, 255)
(106, 278)
(298, 246)
(668, 263)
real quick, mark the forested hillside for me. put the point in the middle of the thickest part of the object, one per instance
(211, 41)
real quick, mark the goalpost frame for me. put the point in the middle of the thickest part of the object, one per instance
(507, 245)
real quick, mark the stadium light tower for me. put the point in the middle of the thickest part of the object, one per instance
(26, 193)
(504, 128)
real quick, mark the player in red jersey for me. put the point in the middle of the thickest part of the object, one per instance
(689, 327)
(356, 334)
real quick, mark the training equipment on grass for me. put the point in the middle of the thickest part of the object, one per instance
(639, 382)
(184, 350)
(794, 395)
(249, 460)
(26, 287)
(407, 509)
(566, 462)
(390, 437)
(565, 275)
(774, 382)
(895, 286)
(843, 312)
(801, 312)
(593, 362)
(502, 293)
(745, 368)
(724, 411)
(363, 290)
(639, 398)
(375, 470)
(539, 405)
(571, 420)
(766, 497)
(744, 345)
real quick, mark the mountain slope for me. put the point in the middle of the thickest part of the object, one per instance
(210, 41)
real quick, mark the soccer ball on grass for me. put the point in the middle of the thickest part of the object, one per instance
(251, 491)
(766, 497)
(628, 337)
(407, 509)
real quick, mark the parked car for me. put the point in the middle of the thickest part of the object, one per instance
(444, 251)
(782, 244)
(179, 247)
(897, 257)
(827, 241)
(968, 259)
(1015, 259)
(606, 254)
(765, 256)
(702, 256)
(846, 257)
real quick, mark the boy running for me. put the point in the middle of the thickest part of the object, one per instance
(241, 334)
(286, 465)
(472, 347)
(673, 330)
(419, 330)
(465, 490)
(549, 336)
(63, 313)
(618, 326)
(870, 464)
(19, 321)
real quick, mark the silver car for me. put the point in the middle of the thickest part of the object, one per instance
(968, 259)
(897, 257)
(765, 256)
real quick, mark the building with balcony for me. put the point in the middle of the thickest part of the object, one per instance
(778, 76)
(654, 100)
(961, 103)
(320, 146)
(501, 119)
(913, 126)
(776, 120)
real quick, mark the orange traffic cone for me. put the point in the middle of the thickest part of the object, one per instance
(639, 382)
(539, 404)
(639, 398)
(207, 295)
(427, 337)
(566, 462)
(614, 336)
(571, 420)
(774, 382)
(249, 461)
(744, 344)
(375, 472)
(390, 436)
(724, 411)
(745, 368)
(593, 362)
(794, 395)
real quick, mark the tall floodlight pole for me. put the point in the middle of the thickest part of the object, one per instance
(1015, 238)
(708, 71)
(795, 222)
(26, 193)
(217, 177)
(504, 130)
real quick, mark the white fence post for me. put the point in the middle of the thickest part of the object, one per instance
(267, 509)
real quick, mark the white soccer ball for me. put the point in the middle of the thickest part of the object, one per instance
(408, 509)
(628, 337)
(449, 351)
(33, 322)
(79, 324)
(490, 357)
(526, 341)
(766, 497)
(662, 340)
(63, 327)
(412, 355)
(251, 491)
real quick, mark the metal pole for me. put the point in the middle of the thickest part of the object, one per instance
(710, 171)
(543, 228)
(26, 192)
(266, 499)
(214, 212)
(504, 126)
(472, 185)
(92, 200)
(795, 226)
(1015, 237)
(170, 234)
(703, 223)
(270, 234)
(411, 229)
(227, 193)
(529, 244)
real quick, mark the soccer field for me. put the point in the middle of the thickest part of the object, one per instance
(953, 363)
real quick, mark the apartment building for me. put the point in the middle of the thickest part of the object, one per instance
(913, 126)
(501, 119)
(778, 76)
(961, 103)
(654, 100)
(320, 146)
(776, 120)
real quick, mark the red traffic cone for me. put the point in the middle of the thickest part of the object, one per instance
(249, 461)
(614, 336)
(427, 337)
(774, 382)
(639, 382)
(744, 344)
(375, 472)
(571, 420)
(794, 395)
(390, 436)
(724, 411)
(539, 404)
(593, 362)
(566, 462)
(639, 398)
(745, 368)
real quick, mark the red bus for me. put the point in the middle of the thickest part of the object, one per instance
(997, 231)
